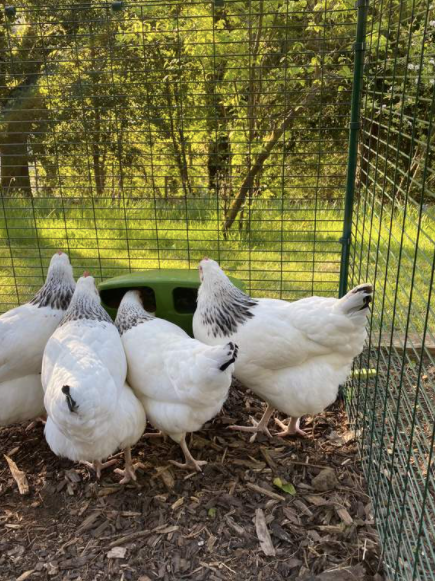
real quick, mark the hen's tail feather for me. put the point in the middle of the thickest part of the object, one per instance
(232, 353)
(357, 299)
(72, 405)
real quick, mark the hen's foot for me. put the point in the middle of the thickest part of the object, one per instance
(98, 466)
(292, 429)
(260, 426)
(155, 435)
(129, 472)
(255, 429)
(32, 424)
(191, 463)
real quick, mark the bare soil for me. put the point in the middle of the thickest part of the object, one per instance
(229, 522)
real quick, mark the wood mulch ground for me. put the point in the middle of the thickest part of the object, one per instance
(233, 521)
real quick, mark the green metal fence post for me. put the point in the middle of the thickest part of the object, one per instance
(354, 125)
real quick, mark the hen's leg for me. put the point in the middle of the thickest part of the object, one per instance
(260, 426)
(190, 463)
(129, 472)
(291, 429)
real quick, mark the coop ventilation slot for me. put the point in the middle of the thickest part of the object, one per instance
(185, 299)
(112, 297)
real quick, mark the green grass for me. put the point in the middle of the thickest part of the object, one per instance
(396, 250)
(288, 251)
(291, 249)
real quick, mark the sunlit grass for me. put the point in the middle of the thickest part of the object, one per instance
(285, 249)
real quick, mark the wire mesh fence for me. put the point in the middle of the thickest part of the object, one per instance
(394, 245)
(147, 135)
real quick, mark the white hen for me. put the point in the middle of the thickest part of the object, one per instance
(92, 412)
(293, 355)
(181, 382)
(24, 332)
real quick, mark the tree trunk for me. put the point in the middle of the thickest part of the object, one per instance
(179, 150)
(98, 169)
(219, 146)
(249, 181)
(15, 162)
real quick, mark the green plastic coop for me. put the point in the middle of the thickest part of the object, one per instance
(170, 293)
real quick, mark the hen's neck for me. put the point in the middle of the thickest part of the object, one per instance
(56, 292)
(87, 308)
(130, 315)
(223, 308)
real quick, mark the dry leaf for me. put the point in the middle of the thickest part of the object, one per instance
(303, 507)
(240, 531)
(88, 522)
(317, 500)
(117, 553)
(178, 503)
(292, 516)
(72, 475)
(25, 575)
(264, 491)
(164, 530)
(263, 534)
(345, 516)
(168, 479)
(19, 476)
(106, 491)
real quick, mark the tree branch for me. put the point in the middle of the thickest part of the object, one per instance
(248, 182)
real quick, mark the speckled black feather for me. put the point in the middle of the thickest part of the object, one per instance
(55, 294)
(130, 315)
(227, 310)
(83, 307)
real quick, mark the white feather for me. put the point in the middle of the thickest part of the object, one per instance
(86, 354)
(293, 355)
(178, 379)
(24, 332)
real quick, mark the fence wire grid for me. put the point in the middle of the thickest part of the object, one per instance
(141, 135)
(145, 135)
(393, 405)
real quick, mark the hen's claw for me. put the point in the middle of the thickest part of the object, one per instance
(32, 424)
(129, 472)
(260, 426)
(292, 429)
(159, 434)
(97, 466)
(256, 428)
(190, 465)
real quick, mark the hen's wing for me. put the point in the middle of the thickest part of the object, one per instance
(287, 334)
(197, 371)
(24, 332)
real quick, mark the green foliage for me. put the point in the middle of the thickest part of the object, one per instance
(173, 100)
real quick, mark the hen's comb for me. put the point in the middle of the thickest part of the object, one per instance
(86, 273)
